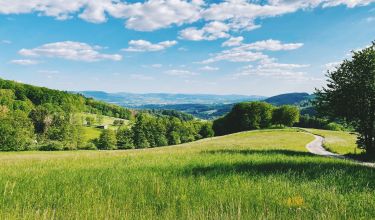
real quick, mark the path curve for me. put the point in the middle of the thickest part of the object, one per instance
(316, 147)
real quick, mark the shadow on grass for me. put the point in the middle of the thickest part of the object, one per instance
(294, 165)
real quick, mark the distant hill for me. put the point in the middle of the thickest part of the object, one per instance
(289, 99)
(139, 100)
(205, 106)
(203, 111)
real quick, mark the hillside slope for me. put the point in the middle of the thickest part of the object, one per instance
(24, 97)
(289, 99)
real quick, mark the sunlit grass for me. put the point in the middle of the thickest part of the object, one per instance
(340, 142)
(250, 175)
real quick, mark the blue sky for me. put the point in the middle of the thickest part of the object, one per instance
(175, 46)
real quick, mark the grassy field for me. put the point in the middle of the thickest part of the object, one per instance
(338, 142)
(251, 175)
(91, 132)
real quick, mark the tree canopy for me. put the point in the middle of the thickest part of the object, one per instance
(350, 95)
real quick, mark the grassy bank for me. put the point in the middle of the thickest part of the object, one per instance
(338, 141)
(249, 175)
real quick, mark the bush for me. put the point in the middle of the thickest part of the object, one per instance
(334, 127)
(52, 146)
(88, 146)
(206, 131)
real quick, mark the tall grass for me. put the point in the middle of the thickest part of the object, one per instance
(250, 175)
(338, 141)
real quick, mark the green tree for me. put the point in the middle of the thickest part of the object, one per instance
(286, 115)
(16, 131)
(107, 140)
(206, 130)
(350, 95)
(90, 120)
(125, 138)
(244, 116)
(139, 132)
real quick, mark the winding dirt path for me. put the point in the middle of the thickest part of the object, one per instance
(316, 147)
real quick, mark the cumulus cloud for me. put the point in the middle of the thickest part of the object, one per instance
(143, 16)
(209, 68)
(155, 14)
(236, 56)
(210, 31)
(143, 45)
(272, 45)
(233, 41)
(270, 68)
(70, 50)
(180, 73)
(251, 52)
(24, 62)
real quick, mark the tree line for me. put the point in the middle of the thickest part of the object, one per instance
(255, 115)
(148, 131)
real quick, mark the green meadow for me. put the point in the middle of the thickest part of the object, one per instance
(265, 174)
(338, 142)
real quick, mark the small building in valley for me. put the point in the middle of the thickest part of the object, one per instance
(102, 126)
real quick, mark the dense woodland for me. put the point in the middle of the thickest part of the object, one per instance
(37, 118)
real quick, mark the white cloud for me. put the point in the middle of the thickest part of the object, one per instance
(70, 50)
(180, 73)
(140, 77)
(233, 41)
(209, 68)
(272, 69)
(272, 45)
(143, 45)
(5, 41)
(48, 71)
(24, 62)
(182, 49)
(236, 56)
(211, 31)
(156, 14)
(303, 4)
(250, 52)
(157, 65)
(331, 66)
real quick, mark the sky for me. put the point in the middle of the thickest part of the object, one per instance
(250, 47)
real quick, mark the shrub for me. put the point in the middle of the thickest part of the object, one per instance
(52, 146)
(88, 146)
(107, 140)
(334, 127)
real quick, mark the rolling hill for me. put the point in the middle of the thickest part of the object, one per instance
(289, 99)
(250, 175)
